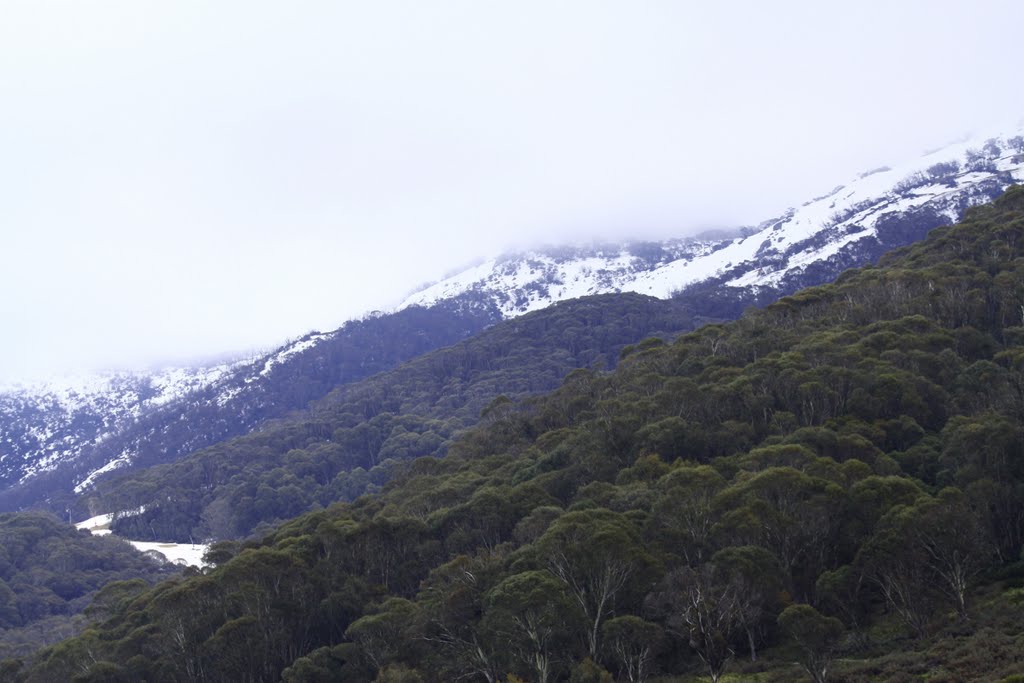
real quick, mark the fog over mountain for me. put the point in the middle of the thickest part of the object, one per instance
(183, 180)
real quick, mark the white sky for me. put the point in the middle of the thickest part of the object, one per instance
(180, 179)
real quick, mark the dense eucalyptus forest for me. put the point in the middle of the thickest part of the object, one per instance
(829, 488)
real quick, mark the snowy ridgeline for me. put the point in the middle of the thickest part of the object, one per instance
(945, 182)
(187, 554)
(46, 424)
(49, 422)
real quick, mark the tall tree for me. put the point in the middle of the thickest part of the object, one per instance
(703, 609)
(684, 512)
(816, 635)
(530, 613)
(452, 600)
(758, 579)
(633, 643)
(595, 553)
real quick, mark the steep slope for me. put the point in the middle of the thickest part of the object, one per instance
(835, 481)
(57, 441)
(52, 422)
(352, 440)
(851, 226)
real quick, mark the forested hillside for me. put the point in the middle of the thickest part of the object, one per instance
(50, 573)
(831, 488)
(350, 441)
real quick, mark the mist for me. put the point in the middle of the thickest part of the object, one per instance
(186, 180)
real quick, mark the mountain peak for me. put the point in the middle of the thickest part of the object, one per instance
(852, 225)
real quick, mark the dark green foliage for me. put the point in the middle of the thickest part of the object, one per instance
(324, 665)
(817, 637)
(54, 577)
(839, 473)
(633, 644)
(589, 672)
(534, 615)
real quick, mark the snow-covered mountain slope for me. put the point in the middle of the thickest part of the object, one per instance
(852, 225)
(50, 422)
(59, 437)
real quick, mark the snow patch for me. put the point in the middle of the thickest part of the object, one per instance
(188, 554)
(97, 524)
(287, 352)
(121, 461)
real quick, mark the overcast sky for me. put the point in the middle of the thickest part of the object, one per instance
(180, 179)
